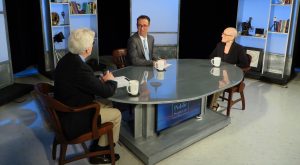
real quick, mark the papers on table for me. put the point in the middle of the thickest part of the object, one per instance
(122, 81)
(166, 66)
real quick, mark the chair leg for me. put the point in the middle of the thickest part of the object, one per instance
(229, 103)
(243, 100)
(111, 146)
(223, 96)
(54, 146)
(62, 154)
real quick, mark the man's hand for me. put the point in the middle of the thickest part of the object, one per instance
(107, 76)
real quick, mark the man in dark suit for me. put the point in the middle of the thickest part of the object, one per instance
(76, 85)
(140, 44)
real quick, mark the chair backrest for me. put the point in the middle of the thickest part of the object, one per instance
(44, 92)
(119, 57)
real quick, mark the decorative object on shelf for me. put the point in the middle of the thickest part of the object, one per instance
(58, 54)
(58, 37)
(274, 25)
(63, 16)
(246, 26)
(55, 18)
(257, 55)
(280, 1)
(259, 32)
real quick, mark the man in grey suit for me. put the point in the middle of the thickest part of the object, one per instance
(140, 44)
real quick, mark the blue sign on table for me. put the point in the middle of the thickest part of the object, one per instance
(168, 115)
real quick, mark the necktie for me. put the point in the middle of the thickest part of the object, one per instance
(146, 50)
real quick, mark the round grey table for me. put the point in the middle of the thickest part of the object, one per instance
(184, 80)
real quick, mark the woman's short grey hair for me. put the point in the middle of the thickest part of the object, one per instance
(80, 40)
(233, 31)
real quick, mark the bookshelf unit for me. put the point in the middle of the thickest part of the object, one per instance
(272, 32)
(68, 15)
(6, 70)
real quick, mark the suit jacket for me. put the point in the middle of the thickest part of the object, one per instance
(76, 85)
(236, 54)
(136, 50)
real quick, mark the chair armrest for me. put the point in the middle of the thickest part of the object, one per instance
(95, 106)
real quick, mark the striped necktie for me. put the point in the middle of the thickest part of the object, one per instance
(146, 50)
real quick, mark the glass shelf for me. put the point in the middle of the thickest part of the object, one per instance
(82, 14)
(256, 37)
(59, 3)
(277, 32)
(61, 26)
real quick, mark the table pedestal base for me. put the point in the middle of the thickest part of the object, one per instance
(156, 148)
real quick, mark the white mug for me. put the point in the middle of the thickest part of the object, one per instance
(216, 61)
(215, 71)
(133, 87)
(160, 65)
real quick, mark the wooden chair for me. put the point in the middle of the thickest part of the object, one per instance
(44, 93)
(119, 57)
(236, 89)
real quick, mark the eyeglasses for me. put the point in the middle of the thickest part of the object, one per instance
(141, 26)
(227, 35)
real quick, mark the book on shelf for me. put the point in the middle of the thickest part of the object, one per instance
(84, 8)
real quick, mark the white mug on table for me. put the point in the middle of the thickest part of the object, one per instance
(133, 87)
(216, 61)
(160, 65)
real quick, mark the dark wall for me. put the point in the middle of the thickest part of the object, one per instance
(25, 34)
(200, 29)
(113, 24)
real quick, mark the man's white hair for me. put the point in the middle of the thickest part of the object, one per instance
(80, 40)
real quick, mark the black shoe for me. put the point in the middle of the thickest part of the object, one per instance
(103, 159)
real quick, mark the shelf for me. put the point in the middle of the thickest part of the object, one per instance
(277, 33)
(59, 3)
(275, 78)
(280, 4)
(61, 26)
(82, 14)
(252, 37)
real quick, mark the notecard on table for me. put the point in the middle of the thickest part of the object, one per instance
(122, 81)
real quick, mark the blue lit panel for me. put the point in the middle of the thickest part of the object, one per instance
(168, 115)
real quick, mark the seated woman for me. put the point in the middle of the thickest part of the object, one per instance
(230, 52)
